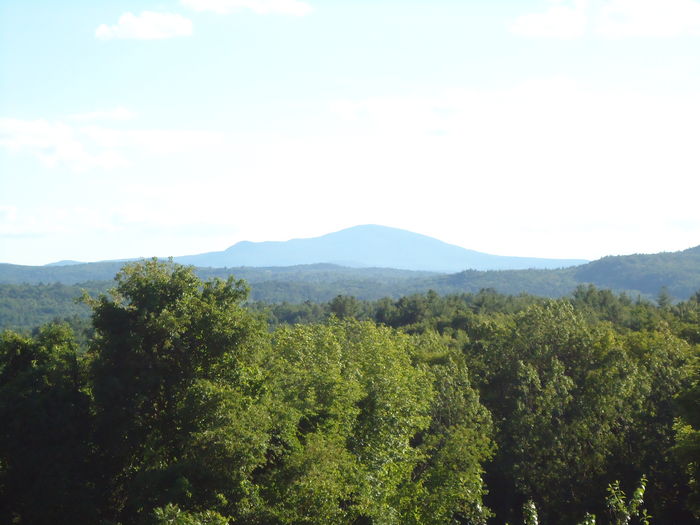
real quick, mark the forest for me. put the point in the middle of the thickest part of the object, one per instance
(34, 295)
(180, 400)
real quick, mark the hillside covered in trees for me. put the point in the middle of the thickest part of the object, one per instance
(185, 403)
(31, 295)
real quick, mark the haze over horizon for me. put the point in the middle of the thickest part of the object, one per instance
(538, 128)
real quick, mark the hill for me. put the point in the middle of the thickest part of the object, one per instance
(64, 263)
(369, 246)
(30, 295)
(308, 273)
(646, 275)
(678, 272)
(25, 302)
(64, 274)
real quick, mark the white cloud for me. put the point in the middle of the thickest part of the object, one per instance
(612, 18)
(83, 148)
(156, 141)
(558, 21)
(531, 116)
(649, 18)
(542, 153)
(118, 113)
(146, 26)
(54, 143)
(8, 214)
(260, 7)
(51, 220)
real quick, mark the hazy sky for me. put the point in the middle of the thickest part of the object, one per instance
(545, 128)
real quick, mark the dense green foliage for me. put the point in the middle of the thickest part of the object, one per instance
(187, 405)
(687, 448)
(25, 306)
(45, 447)
(676, 271)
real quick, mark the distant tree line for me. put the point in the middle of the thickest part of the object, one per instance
(30, 296)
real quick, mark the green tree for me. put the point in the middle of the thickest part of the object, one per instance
(177, 379)
(351, 401)
(662, 363)
(345, 306)
(622, 511)
(376, 426)
(46, 473)
(448, 482)
(687, 448)
(561, 393)
(172, 515)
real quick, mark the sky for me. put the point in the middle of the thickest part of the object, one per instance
(545, 128)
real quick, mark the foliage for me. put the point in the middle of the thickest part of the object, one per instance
(183, 403)
(45, 428)
(176, 379)
(172, 515)
(368, 435)
(665, 275)
(530, 516)
(24, 306)
(622, 511)
(677, 272)
(687, 448)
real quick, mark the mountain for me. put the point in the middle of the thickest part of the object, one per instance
(25, 303)
(64, 263)
(65, 274)
(380, 248)
(369, 246)
(678, 272)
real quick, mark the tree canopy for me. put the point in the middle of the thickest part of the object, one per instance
(183, 404)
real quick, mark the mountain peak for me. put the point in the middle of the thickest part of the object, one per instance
(64, 262)
(368, 245)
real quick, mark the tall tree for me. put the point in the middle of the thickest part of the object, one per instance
(177, 382)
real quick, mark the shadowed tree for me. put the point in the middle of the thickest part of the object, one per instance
(45, 430)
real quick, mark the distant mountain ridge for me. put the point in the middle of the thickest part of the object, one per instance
(370, 245)
(25, 302)
(644, 274)
(64, 263)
